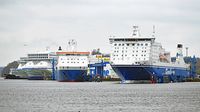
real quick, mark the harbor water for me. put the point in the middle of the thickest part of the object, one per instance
(52, 96)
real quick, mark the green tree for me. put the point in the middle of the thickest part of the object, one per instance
(6, 70)
(198, 66)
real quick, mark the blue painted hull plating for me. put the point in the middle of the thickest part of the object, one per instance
(156, 73)
(71, 75)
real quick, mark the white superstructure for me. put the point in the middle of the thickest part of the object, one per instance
(37, 60)
(72, 60)
(137, 50)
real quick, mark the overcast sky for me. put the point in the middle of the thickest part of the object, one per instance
(32, 25)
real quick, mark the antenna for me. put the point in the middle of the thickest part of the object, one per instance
(136, 31)
(47, 48)
(72, 44)
(186, 51)
(153, 33)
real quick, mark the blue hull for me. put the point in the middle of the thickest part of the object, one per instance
(71, 75)
(35, 78)
(156, 73)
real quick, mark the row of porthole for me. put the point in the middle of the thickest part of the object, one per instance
(37, 54)
(133, 51)
(138, 44)
(134, 59)
(69, 67)
(130, 47)
(71, 62)
(132, 55)
(71, 59)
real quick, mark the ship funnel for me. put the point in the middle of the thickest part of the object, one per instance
(179, 51)
(60, 49)
(179, 54)
(179, 46)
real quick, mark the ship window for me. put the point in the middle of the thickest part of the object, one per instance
(144, 58)
(119, 44)
(125, 55)
(133, 51)
(146, 44)
(136, 51)
(142, 51)
(133, 55)
(115, 44)
(122, 44)
(138, 44)
(136, 55)
(141, 55)
(141, 44)
(122, 55)
(127, 44)
(133, 44)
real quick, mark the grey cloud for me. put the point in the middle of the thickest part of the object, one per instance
(51, 23)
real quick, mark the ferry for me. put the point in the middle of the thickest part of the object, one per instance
(72, 66)
(137, 58)
(36, 65)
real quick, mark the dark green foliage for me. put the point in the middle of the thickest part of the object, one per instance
(198, 66)
(6, 70)
(193, 80)
(96, 51)
(1, 68)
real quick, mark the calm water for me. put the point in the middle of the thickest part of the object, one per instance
(51, 96)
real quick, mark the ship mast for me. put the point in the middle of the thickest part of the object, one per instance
(153, 33)
(136, 31)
